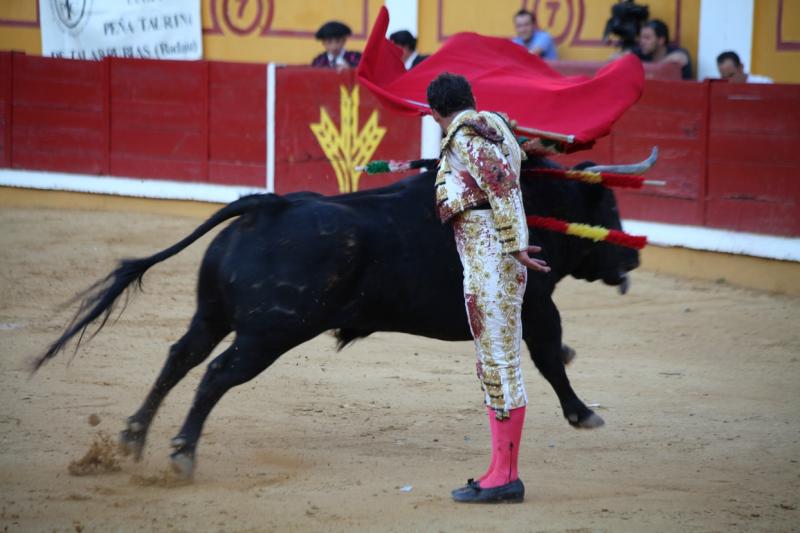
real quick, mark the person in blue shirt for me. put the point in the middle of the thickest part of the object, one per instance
(529, 35)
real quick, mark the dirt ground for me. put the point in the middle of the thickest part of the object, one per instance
(699, 384)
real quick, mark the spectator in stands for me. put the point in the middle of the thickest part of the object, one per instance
(408, 44)
(534, 39)
(731, 68)
(334, 36)
(654, 47)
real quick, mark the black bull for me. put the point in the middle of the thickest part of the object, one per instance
(292, 267)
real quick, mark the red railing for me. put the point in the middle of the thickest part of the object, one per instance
(728, 152)
(193, 121)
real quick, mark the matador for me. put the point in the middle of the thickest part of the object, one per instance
(478, 193)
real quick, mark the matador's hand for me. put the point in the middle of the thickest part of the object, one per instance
(538, 265)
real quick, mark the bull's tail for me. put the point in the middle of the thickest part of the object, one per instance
(98, 300)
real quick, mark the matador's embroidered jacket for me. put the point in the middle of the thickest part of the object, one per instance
(480, 163)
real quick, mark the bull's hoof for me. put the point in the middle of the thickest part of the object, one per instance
(182, 459)
(132, 440)
(567, 354)
(590, 421)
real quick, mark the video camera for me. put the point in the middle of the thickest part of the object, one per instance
(626, 21)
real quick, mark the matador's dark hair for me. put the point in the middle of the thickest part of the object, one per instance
(450, 93)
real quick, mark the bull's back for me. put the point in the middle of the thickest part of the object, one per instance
(283, 267)
(371, 261)
(411, 280)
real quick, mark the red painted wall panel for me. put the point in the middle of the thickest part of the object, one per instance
(657, 208)
(751, 216)
(237, 124)
(159, 119)
(236, 173)
(753, 158)
(755, 108)
(681, 163)
(78, 162)
(301, 164)
(163, 81)
(58, 115)
(733, 169)
(6, 103)
(670, 115)
(153, 167)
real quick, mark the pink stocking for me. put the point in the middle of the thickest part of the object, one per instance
(493, 431)
(506, 437)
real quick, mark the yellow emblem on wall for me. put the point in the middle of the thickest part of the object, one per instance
(348, 147)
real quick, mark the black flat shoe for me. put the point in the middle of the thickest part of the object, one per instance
(469, 487)
(472, 492)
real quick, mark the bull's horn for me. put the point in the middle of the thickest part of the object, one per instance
(636, 168)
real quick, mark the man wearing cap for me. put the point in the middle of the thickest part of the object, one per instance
(478, 193)
(334, 35)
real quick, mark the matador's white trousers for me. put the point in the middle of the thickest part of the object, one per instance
(494, 286)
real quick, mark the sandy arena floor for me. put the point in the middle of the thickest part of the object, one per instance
(699, 384)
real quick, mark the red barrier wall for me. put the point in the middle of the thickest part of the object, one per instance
(59, 115)
(753, 158)
(6, 105)
(237, 123)
(672, 116)
(727, 151)
(192, 121)
(160, 119)
(301, 163)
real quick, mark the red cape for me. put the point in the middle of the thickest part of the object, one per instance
(505, 77)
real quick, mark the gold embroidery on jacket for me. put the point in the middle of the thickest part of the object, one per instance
(494, 286)
(479, 164)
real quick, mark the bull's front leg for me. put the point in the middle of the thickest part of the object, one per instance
(541, 326)
(188, 352)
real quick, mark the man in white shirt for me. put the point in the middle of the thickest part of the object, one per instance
(408, 44)
(731, 68)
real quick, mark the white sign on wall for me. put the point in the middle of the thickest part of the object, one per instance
(94, 29)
